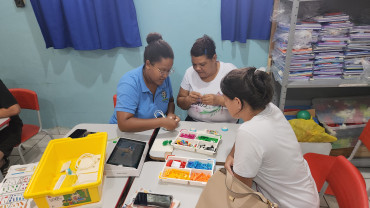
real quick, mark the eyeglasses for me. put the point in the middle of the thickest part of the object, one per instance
(165, 72)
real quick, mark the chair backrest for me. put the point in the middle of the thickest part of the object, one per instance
(27, 99)
(347, 184)
(114, 100)
(365, 135)
(320, 166)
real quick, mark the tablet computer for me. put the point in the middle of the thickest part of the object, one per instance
(127, 153)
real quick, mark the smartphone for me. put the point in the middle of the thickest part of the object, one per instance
(78, 133)
(153, 200)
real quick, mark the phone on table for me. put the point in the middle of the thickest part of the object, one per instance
(153, 200)
(78, 133)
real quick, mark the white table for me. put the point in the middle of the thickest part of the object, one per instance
(187, 195)
(112, 187)
(227, 142)
(113, 131)
(4, 122)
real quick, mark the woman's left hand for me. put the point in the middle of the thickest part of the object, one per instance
(210, 99)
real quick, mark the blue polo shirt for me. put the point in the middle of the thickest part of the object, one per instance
(133, 96)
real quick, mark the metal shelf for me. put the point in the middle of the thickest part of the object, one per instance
(327, 83)
(318, 83)
(282, 76)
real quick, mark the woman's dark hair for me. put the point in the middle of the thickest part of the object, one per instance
(157, 48)
(203, 46)
(249, 85)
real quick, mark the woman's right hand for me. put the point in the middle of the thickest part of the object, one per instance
(229, 164)
(169, 123)
(194, 97)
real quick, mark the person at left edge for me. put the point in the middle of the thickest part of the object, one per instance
(146, 89)
(10, 136)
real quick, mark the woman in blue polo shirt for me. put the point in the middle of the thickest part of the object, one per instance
(146, 89)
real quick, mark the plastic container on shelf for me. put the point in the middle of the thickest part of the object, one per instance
(184, 170)
(42, 186)
(342, 110)
(347, 135)
(343, 117)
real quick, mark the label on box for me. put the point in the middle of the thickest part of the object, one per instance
(79, 197)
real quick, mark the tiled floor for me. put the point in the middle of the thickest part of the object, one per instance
(37, 145)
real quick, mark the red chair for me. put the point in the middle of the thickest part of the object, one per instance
(114, 100)
(364, 138)
(27, 99)
(344, 179)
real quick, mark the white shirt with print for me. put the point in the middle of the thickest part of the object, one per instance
(202, 112)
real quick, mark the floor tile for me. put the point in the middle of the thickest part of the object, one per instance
(58, 136)
(34, 155)
(332, 202)
(15, 151)
(39, 136)
(367, 181)
(43, 143)
(64, 131)
(15, 160)
(53, 131)
(323, 203)
(365, 172)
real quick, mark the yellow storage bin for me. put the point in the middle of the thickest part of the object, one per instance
(47, 174)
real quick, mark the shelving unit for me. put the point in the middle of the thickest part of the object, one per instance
(282, 82)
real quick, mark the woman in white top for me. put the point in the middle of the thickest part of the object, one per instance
(266, 150)
(200, 91)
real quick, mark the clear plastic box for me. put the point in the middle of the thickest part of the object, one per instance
(343, 117)
(347, 135)
(342, 110)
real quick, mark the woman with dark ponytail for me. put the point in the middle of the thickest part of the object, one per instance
(266, 154)
(146, 89)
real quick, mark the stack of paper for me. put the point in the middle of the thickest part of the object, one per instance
(357, 49)
(325, 47)
(329, 49)
(302, 56)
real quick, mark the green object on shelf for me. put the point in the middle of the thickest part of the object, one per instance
(303, 114)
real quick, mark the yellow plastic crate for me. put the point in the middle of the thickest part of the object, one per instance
(58, 152)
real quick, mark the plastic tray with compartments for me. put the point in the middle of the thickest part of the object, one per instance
(184, 170)
(205, 142)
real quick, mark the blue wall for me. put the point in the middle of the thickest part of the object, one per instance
(77, 86)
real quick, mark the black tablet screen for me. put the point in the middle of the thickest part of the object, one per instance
(127, 153)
